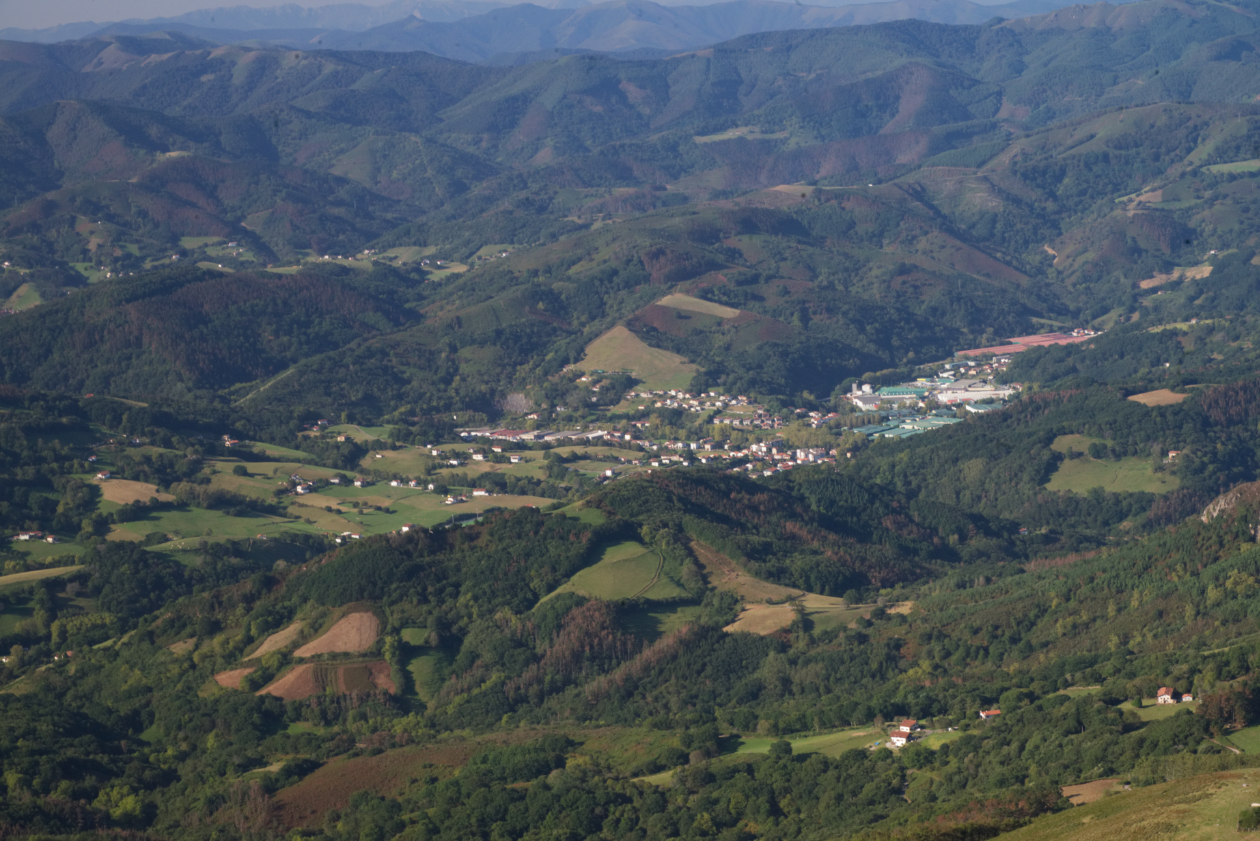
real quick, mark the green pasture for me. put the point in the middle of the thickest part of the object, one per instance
(199, 242)
(1129, 474)
(35, 575)
(624, 571)
(828, 744)
(408, 253)
(1238, 166)
(40, 552)
(652, 623)
(1151, 711)
(619, 350)
(1078, 691)
(274, 450)
(187, 524)
(426, 671)
(1246, 740)
(23, 298)
(359, 433)
(579, 511)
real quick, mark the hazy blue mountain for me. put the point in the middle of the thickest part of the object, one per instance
(626, 25)
(480, 31)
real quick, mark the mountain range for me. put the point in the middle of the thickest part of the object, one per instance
(479, 31)
(890, 192)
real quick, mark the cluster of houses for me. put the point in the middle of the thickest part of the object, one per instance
(528, 436)
(36, 535)
(1169, 695)
(305, 486)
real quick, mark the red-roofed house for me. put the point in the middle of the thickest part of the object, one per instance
(1166, 695)
(985, 715)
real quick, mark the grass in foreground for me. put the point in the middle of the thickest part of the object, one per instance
(1197, 809)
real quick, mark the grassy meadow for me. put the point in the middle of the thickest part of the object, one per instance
(621, 350)
(625, 570)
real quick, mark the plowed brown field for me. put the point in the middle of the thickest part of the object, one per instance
(278, 640)
(124, 491)
(233, 678)
(311, 678)
(331, 786)
(352, 634)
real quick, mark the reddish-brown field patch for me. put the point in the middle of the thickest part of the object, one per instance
(123, 491)
(352, 634)
(306, 803)
(232, 679)
(311, 678)
(296, 684)
(278, 640)
(365, 677)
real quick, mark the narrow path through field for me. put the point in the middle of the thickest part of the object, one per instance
(656, 577)
(1227, 747)
(266, 385)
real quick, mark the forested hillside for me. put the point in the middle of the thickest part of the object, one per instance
(889, 193)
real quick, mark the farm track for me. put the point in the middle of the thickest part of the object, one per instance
(655, 577)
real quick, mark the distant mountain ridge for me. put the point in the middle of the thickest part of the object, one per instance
(481, 31)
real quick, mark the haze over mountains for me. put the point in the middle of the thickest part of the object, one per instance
(951, 182)
(479, 31)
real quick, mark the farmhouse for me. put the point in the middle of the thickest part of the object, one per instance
(480, 492)
(29, 535)
(900, 738)
(1166, 695)
(910, 725)
(985, 715)
(104, 474)
(1187, 698)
